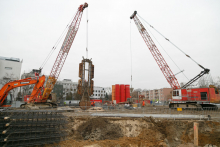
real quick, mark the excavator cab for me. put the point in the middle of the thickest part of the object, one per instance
(8, 101)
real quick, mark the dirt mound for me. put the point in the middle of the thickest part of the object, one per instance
(108, 132)
(208, 133)
(99, 129)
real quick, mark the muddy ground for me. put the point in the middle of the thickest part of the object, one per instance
(124, 132)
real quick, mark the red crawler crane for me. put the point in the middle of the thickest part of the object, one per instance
(170, 77)
(60, 60)
(182, 97)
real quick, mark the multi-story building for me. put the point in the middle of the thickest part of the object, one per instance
(98, 93)
(10, 69)
(163, 94)
(68, 87)
(108, 90)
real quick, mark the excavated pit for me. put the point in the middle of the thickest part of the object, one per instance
(87, 131)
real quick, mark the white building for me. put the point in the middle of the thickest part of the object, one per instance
(10, 69)
(98, 93)
(108, 90)
(68, 86)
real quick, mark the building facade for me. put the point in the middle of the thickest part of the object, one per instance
(10, 69)
(98, 93)
(69, 88)
(108, 90)
(163, 94)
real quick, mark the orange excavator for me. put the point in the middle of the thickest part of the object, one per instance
(5, 98)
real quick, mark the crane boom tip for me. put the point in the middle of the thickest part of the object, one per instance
(133, 15)
(85, 5)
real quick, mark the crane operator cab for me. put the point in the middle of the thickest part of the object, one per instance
(8, 101)
(177, 95)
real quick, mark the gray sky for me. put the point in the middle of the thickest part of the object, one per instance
(29, 30)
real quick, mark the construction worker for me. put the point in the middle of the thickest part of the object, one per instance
(143, 103)
(92, 103)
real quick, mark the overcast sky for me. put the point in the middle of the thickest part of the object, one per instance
(29, 30)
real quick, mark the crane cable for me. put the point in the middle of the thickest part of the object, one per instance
(53, 48)
(172, 43)
(131, 53)
(56, 43)
(87, 24)
(166, 52)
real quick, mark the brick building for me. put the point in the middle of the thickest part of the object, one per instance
(163, 94)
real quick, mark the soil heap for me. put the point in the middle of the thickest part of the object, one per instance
(99, 129)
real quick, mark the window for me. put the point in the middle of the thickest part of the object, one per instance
(8, 68)
(203, 95)
(175, 93)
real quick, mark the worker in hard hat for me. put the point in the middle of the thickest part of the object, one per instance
(92, 103)
(143, 103)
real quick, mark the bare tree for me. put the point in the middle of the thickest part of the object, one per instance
(205, 81)
(77, 96)
(7, 78)
(26, 90)
(110, 97)
(134, 94)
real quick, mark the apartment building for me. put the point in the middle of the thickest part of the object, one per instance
(163, 94)
(68, 86)
(98, 93)
(10, 69)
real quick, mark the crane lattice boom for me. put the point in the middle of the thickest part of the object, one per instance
(170, 77)
(57, 67)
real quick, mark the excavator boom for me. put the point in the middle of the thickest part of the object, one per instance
(18, 83)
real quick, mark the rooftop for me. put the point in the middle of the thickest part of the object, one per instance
(10, 59)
